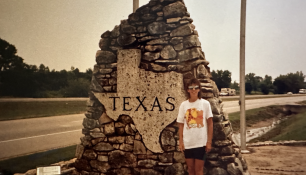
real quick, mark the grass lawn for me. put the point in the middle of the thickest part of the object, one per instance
(254, 115)
(294, 128)
(25, 163)
(21, 110)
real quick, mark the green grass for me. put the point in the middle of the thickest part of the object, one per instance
(21, 110)
(254, 115)
(250, 97)
(25, 163)
(302, 102)
(294, 128)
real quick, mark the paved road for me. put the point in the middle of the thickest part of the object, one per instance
(40, 99)
(26, 136)
(232, 106)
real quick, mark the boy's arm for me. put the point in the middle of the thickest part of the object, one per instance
(181, 143)
(209, 134)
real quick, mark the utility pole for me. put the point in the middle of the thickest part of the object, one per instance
(242, 78)
(135, 5)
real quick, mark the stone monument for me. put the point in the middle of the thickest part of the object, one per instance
(136, 89)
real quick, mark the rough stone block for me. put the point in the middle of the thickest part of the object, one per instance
(118, 159)
(105, 57)
(104, 43)
(125, 39)
(116, 139)
(160, 14)
(126, 147)
(104, 119)
(106, 34)
(153, 48)
(151, 56)
(182, 31)
(89, 123)
(100, 166)
(158, 68)
(148, 17)
(179, 157)
(166, 157)
(167, 138)
(79, 151)
(125, 119)
(103, 147)
(147, 163)
(97, 134)
(134, 17)
(179, 47)
(82, 164)
(156, 8)
(90, 154)
(157, 28)
(158, 41)
(176, 168)
(218, 171)
(98, 140)
(228, 150)
(149, 172)
(109, 128)
(174, 10)
(102, 158)
(173, 20)
(119, 131)
(128, 29)
(191, 41)
(190, 54)
(147, 38)
(129, 130)
(168, 52)
(139, 148)
(115, 32)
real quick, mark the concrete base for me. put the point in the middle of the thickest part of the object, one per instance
(245, 151)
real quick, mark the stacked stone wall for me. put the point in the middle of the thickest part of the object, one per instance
(165, 34)
(163, 31)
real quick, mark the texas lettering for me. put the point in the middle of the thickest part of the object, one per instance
(142, 103)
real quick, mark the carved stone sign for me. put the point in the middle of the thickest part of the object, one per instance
(151, 99)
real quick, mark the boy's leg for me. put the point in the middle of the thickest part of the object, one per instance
(191, 166)
(199, 167)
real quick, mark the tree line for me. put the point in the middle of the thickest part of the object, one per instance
(18, 79)
(290, 82)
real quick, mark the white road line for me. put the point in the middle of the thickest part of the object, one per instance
(79, 130)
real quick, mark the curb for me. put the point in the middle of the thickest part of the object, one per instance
(280, 143)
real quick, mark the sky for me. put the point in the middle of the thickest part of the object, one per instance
(65, 33)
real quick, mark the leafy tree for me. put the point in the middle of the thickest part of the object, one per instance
(76, 88)
(291, 82)
(266, 85)
(43, 68)
(253, 80)
(222, 78)
(248, 87)
(8, 57)
(235, 86)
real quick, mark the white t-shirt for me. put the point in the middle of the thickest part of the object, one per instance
(194, 116)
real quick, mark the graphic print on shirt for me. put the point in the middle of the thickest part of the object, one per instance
(194, 118)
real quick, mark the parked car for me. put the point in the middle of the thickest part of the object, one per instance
(289, 93)
(227, 92)
(302, 91)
